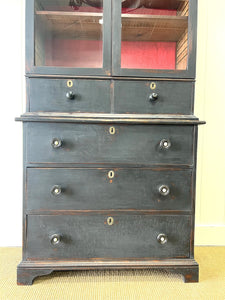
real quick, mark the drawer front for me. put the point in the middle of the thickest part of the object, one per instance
(102, 189)
(87, 143)
(170, 97)
(108, 236)
(50, 95)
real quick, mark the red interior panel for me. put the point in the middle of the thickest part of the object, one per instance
(134, 54)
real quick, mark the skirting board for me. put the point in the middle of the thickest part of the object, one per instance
(210, 235)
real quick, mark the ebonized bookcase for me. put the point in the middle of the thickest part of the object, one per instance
(110, 138)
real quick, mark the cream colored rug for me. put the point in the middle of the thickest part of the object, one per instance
(118, 285)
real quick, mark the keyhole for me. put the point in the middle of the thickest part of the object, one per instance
(69, 83)
(111, 174)
(110, 221)
(152, 85)
(112, 130)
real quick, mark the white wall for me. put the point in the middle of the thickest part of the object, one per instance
(209, 105)
(12, 95)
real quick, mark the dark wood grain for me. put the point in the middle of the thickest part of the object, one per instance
(84, 236)
(133, 97)
(34, 75)
(26, 276)
(60, 117)
(50, 95)
(94, 144)
(28, 270)
(129, 189)
(74, 216)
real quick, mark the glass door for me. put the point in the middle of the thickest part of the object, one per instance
(71, 37)
(154, 38)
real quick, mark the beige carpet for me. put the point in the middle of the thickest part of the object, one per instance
(118, 285)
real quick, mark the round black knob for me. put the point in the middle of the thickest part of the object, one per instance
(164, 190)
(56, 143)
(56, 190)
(55, 239)
(165, 144)
(70, 95)
(162, 238)
(153, 97)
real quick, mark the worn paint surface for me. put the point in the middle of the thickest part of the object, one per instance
(104, 97)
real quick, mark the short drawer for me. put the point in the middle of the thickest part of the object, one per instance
(63, 95)
(90, 143)
(104, 189)
(158, 97)
(109, 236)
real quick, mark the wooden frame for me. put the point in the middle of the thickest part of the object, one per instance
(27, 271)
(112, 46)
(46, 70)
(75, 130)
(116, 44)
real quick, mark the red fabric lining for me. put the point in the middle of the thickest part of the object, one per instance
(148, 55)
(74, 53)
(149, 11)
(142, 11)
(134, 54)
(88, 54)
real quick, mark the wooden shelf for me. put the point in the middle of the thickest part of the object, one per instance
(84, 17)
(75, 25)
(136, 27)
(153, 27)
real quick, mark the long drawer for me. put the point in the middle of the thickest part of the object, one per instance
(158, 97)
(103, 189)
(63, 95)
(107, 236)
(89, 143)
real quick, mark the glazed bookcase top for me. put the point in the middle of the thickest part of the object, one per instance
(111, 38)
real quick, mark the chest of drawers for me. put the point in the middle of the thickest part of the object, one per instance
(110, 139)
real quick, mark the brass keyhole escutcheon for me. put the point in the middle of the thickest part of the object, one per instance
(69, 83)
(110, 221)
(152, 85)
(112, 130)
(111, 174)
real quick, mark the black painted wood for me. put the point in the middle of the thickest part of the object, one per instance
(116, 48)
(26, 276)
(91, 118)
(93, 189)
(93, 143)
(133, 97)
(74, 216)
(31, 68)
(94, 96)
(51, 95)
(85, 236)
(29, 270)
